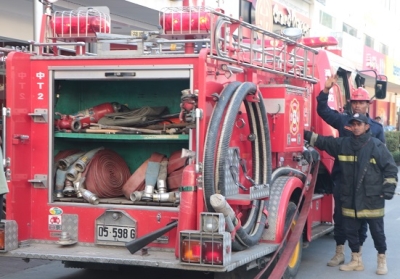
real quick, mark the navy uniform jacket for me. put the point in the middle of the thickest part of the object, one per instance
(339, 120)
(368, 170)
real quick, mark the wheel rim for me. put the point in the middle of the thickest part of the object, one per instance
(295, 256)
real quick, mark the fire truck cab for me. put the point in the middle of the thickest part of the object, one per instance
(185, 144)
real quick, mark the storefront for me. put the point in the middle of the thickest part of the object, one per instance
(393, 75)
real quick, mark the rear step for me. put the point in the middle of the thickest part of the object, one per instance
(320, 230)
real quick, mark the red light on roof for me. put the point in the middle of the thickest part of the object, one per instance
(320, 41)
(64, 25)
(192, 21)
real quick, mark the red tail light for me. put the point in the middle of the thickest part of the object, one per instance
(212, 252)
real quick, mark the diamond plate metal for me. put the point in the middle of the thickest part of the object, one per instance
(273, 208)
(70, 225)
(232, 161)
(11, 235)
(259, 191)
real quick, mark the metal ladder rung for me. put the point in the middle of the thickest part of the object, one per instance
(228, 38)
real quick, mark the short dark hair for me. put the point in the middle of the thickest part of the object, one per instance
(378, 118)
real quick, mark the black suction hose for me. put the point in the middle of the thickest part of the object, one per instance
(257, 217)
(211, 141)
(214, 165)
(248, 226)
(226, 132)
(263, 159)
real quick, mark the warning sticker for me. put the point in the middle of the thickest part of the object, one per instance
(55, 222)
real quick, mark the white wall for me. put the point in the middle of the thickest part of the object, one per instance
(16, 19)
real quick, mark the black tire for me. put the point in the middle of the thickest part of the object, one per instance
(294, 263)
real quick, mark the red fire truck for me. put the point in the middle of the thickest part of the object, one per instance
(180, 148)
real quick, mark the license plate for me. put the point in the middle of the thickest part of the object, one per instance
(115, 233)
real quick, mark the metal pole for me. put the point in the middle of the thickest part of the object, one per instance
(37, 20)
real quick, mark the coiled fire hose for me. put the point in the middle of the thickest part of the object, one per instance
(214, 176)
(103, 175)
(106, 173)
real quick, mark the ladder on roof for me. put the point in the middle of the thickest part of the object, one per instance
(230, 40)
(240, 43)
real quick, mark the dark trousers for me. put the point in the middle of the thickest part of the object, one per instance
(338, 229)
(352, 225)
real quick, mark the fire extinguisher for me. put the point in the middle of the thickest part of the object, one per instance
(83, 118)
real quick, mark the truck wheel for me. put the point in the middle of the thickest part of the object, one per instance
(295, 260)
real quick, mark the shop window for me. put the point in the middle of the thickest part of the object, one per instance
(384, 49)
(349, 30)
(369, 41)
(326, 19)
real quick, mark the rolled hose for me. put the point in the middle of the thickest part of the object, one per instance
(211, 140)
(265, 165)
(262, 170)
(106, 174)
(222, 152)
(249, 234)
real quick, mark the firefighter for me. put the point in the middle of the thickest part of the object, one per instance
(3, 185)
(359, 101)
(369, 177)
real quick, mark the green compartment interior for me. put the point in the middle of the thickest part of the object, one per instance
(76, 95)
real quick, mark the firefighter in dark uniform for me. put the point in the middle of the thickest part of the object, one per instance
(368, 177)
(359, 101)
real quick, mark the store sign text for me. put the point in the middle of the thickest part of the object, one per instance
(288, 18)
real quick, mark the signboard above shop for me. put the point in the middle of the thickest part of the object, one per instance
(276, 15)
(373, 60)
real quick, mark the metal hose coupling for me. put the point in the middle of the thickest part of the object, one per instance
(148, 193)
(77, 185)
(76, 125)
(136, 196)
(162, 177)
(164, 197)
(80, 164)
(177, 197)
(90, 197)
(71, 173)
(60, 180)
(161, 186)
(67, 161)
(69, 188)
